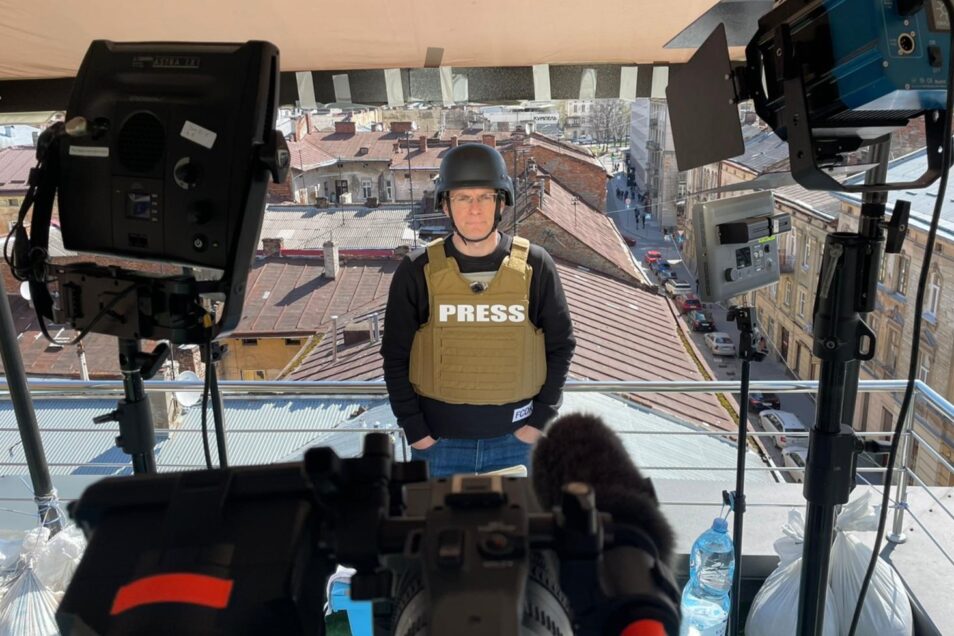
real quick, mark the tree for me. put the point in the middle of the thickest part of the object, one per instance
(609, 122)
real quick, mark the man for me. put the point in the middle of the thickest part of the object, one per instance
(477, 338)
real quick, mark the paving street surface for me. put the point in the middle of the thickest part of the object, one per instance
(725, 367)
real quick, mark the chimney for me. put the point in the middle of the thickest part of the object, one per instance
(309, 124)
(401, 126)
(454, 142)
(272, 246)
(165, 409)
(356, 332)
(332, 266)
(189, 358)
(423, 143)
(301, 127)
(545, 181)
(489, 140)
(344, 127)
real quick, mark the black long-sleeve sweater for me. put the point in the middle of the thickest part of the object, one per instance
(408, 309)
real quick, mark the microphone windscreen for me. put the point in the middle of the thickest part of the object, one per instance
(581, 447)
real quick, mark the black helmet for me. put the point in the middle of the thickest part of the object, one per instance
(473, 166)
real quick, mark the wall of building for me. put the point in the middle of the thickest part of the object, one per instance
(586, 180)
(259, 358)
(892, 323)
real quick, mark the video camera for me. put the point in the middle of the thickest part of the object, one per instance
(249, 551)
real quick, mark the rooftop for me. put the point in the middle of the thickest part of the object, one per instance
(291, 296)
(591, 227)
(15, 165)
(353, 228)
(909, 168)
(764, 150)
(622, 333)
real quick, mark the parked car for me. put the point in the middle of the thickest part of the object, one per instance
(675, 287)
(773, 421)
(701, 321)
(795, 457)
(760, 401)
(720, 343)
(651, 257)
(687, 302)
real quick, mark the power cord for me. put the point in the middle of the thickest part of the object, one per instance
(916, 337)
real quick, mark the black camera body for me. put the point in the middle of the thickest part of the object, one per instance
(249, 551)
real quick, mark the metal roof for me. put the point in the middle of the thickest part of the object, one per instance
(262, 431)
(909, 168)
(307, 228)
(669, 455)
(66, 449)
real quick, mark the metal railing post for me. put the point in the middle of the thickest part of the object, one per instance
(901, 496)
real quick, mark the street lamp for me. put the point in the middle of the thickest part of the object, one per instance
(410, 180)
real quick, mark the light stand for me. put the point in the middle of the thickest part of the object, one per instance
(137, 438)
(846, 291)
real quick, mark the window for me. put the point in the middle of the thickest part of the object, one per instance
(802, 296)
(887, 420)
(934, 293)
(366, 188)
(293, 342)
(807, 253)
(389, 191)
(13, 202)
(883, 272)
(788, 292)
(902, 285)
(924, 369)
(891, 353)
(249, 342)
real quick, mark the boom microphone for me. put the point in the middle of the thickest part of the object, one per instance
(582, 448)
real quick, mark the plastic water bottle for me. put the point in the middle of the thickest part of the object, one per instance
(705, 599)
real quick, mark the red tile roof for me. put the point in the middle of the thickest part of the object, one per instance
(622, 333)
(290, 296)
(306, 156)
(569, 150)
(15, 164)
(41, 358)
(593, 228)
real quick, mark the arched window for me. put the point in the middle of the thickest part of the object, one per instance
(934, 293)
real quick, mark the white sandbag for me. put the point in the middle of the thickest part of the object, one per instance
(28, 608)
(57, 560)
(774, 610)
(887, 609)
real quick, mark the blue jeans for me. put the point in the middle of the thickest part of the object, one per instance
(450, 456)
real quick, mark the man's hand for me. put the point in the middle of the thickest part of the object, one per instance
(527, 434)
(424, 443)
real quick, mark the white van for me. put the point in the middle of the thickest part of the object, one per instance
(786, 423)
(796, 457)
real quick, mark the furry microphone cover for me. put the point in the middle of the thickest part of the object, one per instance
(581, 447)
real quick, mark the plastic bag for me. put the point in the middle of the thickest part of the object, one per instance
(28, 608)
(57, 560)
(887, 609)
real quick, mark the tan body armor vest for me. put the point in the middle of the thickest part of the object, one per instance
(478, 348)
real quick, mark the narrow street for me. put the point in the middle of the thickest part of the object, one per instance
(727, 368)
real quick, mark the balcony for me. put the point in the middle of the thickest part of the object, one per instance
(689, 483)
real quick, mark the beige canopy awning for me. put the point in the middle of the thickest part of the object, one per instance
(46, 39)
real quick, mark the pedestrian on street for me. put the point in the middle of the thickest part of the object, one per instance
(644, 220)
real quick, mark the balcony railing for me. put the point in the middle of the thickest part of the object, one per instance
(921, 513)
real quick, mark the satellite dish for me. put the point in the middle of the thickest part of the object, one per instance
(188, 398)
(25, 291)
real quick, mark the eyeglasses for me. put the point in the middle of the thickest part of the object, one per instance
(465, 200)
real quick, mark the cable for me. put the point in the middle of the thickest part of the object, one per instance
(205, 405)
(916, 336)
